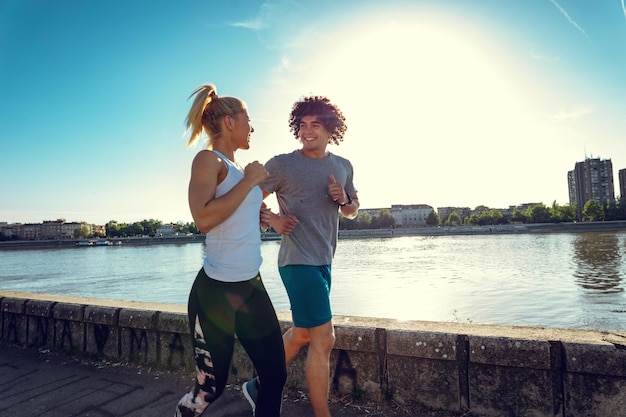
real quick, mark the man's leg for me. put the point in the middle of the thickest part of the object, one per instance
(317, 368)
(293, 340)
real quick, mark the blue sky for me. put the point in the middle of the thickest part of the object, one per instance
(448, 102)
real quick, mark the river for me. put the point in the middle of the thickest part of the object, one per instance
(565, 280)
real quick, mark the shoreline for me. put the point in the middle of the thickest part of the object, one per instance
(610, 226)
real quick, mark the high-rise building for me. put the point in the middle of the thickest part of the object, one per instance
(621, 174)
(591, 179)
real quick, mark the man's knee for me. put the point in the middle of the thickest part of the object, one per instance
(297, 336)
(323, 338)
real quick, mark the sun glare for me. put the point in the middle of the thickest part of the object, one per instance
(426, 98)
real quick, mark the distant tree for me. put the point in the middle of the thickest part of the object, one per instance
(560, 213)
(498, 217)
(538, 213)
(386, 219)
(615, 210)
(135, 229)
(188, 228)
(150, 226)
(432, 219)
(363, 221)
(113, 229)
(480, 210)
(81, 232)
(453, 219)
(518, 215)
(593, 211)
(490, 216)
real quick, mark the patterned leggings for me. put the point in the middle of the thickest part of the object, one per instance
(217, 312)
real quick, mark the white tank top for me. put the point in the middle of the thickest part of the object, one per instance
(233, 248)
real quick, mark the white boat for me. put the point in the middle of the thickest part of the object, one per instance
(102, 243)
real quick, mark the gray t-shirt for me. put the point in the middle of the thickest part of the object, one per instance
(301, 187)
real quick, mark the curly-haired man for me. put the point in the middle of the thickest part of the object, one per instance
(312, 187)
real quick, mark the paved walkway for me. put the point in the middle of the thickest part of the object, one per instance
(41, 383)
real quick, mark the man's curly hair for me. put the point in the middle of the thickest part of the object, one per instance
(327, 113)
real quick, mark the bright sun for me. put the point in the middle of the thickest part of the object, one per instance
(430, 104)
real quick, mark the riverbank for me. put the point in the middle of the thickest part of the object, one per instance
(578, 227)
(581, 227)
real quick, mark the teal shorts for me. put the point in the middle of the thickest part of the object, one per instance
(308, 288)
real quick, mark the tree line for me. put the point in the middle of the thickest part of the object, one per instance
(480, 216)
(146, 228)
(483, 215)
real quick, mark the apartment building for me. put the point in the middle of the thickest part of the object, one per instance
(622, 182)
(445, 212)
(591, 179)
(47, 230)
(410, 215)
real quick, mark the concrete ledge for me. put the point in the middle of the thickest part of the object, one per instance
(14, 320)
(101, 331)
(40, 328)
(603, 359)
(459, 367)
(515, 353)
(69, 327)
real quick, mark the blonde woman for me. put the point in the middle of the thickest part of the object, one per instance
(228, 297)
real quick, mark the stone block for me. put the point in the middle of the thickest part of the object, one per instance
(69, 328)
(510, 352)
(425, 382)
(595, 383)
(510, 375)
(176, 350)
(102, 331)
(173, 323)
(362, 339)
(138, 336)
(431, 345)
(602, 359)
(356, 374)
(428, 361)
(594, 395)
(510, 391)
(14, 321)
(40, 327)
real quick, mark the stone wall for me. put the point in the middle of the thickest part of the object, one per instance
(475, 369)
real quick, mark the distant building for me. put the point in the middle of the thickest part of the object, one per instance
(374, 212)
(165, 230)
(28, 231)
(9, 231)
(99, 229)
(622, 182)
(591, 179)
(411, 215)
(61, 229)
(445, 212)
(51, 229)
(48, 230)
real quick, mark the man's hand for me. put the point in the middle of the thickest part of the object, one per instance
(283, 224)
(336, 191)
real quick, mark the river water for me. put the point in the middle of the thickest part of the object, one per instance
(566, 280)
